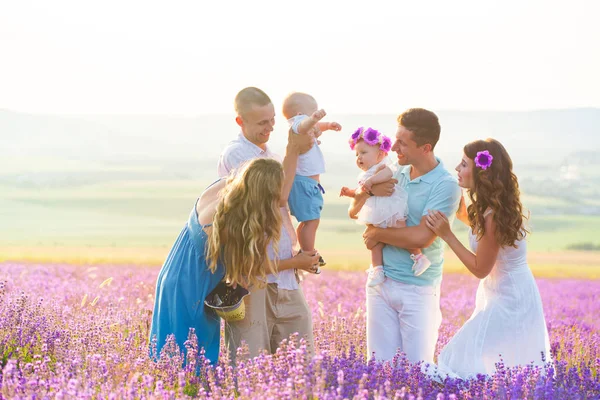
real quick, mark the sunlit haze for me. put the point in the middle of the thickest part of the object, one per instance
(191, 57)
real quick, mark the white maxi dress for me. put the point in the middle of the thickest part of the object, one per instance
(508, 321)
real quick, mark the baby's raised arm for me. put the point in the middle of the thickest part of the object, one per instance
(305, 125)
(327, 126)
(347, 192)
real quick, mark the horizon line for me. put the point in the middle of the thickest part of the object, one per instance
(186, 115)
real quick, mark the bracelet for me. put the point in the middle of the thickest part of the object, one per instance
(371, 193)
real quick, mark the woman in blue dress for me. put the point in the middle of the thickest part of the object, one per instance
(230, 225)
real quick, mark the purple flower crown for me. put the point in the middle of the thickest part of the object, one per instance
(483, 159)
(371, 137)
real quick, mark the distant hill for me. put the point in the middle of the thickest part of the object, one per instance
(180, 144)
(30, 134)
(108, 137)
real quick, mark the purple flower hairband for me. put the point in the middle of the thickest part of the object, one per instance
(483, 159)
(371, 137)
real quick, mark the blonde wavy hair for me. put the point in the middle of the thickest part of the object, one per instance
(246, 220)
(496, 188)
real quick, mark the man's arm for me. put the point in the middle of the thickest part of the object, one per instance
(444, 197)
(383, 174)
(410, 237)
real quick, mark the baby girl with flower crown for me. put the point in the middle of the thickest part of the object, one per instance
(384, 212)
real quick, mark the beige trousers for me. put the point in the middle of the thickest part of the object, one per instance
(272, 314)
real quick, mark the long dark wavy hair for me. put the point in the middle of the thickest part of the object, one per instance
(496, 188)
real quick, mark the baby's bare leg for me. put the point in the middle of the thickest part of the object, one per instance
(377, 255)
(307, 234)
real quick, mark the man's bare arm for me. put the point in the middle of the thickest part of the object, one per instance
(410, 237)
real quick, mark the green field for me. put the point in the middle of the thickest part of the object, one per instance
(137, 221)
(148, 214)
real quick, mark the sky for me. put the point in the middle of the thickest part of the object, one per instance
(192, 57)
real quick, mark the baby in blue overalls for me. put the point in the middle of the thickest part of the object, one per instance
(306, 196)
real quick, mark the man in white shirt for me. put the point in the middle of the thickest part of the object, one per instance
(280, 309)
(256, 118)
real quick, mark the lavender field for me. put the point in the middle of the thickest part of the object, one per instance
(82, 332)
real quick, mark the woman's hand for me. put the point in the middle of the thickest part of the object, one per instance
(307, 262)
(439, 224)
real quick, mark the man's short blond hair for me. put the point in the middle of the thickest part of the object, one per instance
(248, 97)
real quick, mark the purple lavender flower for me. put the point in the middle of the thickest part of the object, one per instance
(483, 159)
(371, 136)
(85, 351)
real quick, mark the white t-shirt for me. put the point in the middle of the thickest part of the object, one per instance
(235, 154)
(287, 242)
(312, 162)
(239, 151)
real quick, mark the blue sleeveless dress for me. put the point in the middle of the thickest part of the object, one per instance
(183, 283)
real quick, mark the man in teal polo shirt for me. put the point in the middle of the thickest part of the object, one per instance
(403, 312)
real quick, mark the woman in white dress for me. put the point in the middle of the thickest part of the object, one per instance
(508, 321)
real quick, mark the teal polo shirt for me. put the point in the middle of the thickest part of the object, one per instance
(436, 190)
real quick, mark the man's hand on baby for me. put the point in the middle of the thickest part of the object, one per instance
(369, 237)
(300, 143)
(367, 185)
(384, 189)
(316, 132)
